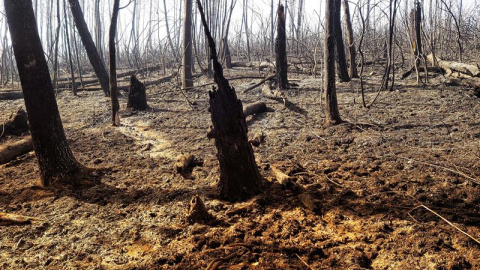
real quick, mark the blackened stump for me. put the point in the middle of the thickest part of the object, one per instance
(239, 175)
(137, 97)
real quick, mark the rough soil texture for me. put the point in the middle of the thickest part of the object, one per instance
(351, 201)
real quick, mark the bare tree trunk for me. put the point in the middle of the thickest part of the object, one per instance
(299, 20)
(342, 62)
(247, 34)
(113, 65)
(57, 38)
(272, 27)
(67, 39)
(92, 53)
(169, 36)
(351, 42)
(331, 104)
(187, 81)
(239, 175)
(55, 159)
(98, 29)
(281, 50)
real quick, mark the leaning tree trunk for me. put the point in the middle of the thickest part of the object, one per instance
(239, 175)
(113, 65)
(95, 60)
(55, 159)
(187, 81)
(331, 105)
(281, 50)
(342, 62)
(352, 68)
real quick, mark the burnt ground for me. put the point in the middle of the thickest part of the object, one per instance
(353, 200)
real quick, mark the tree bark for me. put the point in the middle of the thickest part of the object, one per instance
(92, 53)
(352, 68)
(113, 65)
(342, 62)
(331, 104)
(239, 175)
(187, 81)
(55, 159)
(281, 50)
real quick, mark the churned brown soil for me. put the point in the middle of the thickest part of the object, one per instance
(357, 197)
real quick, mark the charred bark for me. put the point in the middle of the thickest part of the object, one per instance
(239, 175)
(113, 65)
(55, 159)
(331, 104)
(281, 50)
(352, 68)
(187, 81)
(95, 60)
(137, 97)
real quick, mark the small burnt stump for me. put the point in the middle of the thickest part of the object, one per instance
(137, 97)
(16, 125)
(197, 212)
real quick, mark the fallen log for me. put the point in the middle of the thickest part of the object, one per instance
(261, 65)
(254, 108)
(13, 150)
(469, 82)
(451, 66)
(16, 124)
(422, 69)
(11, 95)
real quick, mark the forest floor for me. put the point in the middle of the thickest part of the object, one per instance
(357, 197)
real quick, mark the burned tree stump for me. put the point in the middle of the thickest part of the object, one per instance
(197, 212)
(239, 175)
(137, 96)
(16, 125)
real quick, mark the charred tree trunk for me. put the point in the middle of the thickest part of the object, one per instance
(415, 21)
(342, 62)
(55, 159)
(331, 104)
(352, 68)
(113, 65)
(92, 53)
(137, 97)
(239, 175)
(281, 50)
(187, 81)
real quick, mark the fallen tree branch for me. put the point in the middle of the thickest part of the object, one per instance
(271, 77)
(447, 221)
(14, 219)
